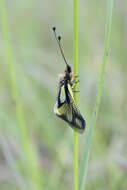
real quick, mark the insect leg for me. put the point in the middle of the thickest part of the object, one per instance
(75, 81)
(76, 91)
(76, 76)
(73, 87)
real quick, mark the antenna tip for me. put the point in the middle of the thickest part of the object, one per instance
(54, 28)
(59, 38)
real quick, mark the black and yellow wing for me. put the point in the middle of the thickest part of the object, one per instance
(65, 108)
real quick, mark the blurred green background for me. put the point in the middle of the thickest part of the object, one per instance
(37, 63)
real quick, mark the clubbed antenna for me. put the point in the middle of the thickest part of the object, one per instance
(58, 39)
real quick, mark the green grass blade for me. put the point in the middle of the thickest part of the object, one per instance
(75, 59)
(83, 172)
(31, 160)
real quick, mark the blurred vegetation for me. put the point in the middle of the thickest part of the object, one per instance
(37, 64)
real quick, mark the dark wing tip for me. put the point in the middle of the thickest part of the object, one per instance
(84, 124)
(82, 129)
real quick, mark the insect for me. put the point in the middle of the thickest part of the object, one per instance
(65, 106)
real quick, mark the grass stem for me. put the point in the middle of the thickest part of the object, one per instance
(27, 146)
(75, 59)
(83, 172)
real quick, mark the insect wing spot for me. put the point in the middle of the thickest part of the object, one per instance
(78, 123)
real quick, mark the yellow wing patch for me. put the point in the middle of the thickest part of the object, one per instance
(68, 111)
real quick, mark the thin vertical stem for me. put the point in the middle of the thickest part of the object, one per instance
(30, 155)
(75, 59)
(83, 172)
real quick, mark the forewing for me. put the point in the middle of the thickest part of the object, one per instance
(68, 111)
(70, 114)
